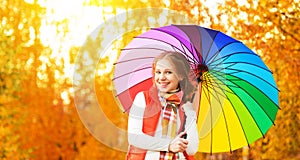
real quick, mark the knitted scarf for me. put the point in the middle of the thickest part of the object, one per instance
(170, 103)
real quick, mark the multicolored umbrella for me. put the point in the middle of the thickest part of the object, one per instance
(238, 97)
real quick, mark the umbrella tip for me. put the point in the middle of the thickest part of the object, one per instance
(200, 70)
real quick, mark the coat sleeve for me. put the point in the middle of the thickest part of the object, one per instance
(191, 129)
(136, 136)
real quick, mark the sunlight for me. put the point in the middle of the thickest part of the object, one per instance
(213, 9)
(213, 5)
(167, 2)
(64, 27)
(78, 22)
(29, 1)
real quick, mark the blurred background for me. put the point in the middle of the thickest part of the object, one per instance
(41, 39)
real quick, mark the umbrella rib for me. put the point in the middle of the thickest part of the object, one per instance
(212, 84)
(219, 101)
(210, 46)
(158, 41)
(131, 72)
(239, 71)
(250, 112)
(252, 64)
(232, 92)
(225, 119)
(240, 119)
(133, 59)
(132, 48)
(173, 46)
(210, 108)
(195, 58)
(252, 84)
(157, 29)
(212, 59)
(217, 83)
(188, 58)
(222, 60)
(192, 59)
(256, 100)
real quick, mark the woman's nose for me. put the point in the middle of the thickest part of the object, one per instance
(162, 76)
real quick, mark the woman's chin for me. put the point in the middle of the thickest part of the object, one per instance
(164, 90)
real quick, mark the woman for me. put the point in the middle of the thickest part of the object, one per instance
(162, 121)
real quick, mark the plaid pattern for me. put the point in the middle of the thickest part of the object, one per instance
(169, 122)
(168, 156)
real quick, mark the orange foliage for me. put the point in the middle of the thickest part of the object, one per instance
(38, 122)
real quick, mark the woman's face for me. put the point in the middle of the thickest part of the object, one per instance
(165, 76)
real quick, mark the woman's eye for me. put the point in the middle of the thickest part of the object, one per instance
(157, 72)
(169, 72)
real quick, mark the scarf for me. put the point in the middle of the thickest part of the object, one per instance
(170, 103)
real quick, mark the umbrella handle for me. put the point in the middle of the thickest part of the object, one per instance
(184, 136)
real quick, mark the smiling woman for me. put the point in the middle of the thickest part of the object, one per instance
(158, 119)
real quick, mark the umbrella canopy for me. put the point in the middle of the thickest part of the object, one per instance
(238, 94)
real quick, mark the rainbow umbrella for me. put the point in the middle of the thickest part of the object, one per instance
(238, 95)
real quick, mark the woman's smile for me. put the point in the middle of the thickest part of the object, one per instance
(163, 84)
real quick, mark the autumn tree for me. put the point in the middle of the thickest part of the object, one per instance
(37, 116)
(19, 25)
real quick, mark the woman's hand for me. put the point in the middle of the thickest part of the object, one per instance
(178, 144)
